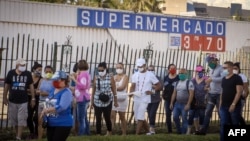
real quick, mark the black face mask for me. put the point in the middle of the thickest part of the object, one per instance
(37, 73)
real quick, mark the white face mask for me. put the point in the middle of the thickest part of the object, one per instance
(235, 71)
(102, 73)
(21, 68)
(141, 69)
(119, 71)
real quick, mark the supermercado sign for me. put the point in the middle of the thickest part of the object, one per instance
(185, 30)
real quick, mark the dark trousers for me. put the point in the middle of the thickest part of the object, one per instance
(168, 116)
(106, 111)
(32, 120)
(59, 133)
(152, 109)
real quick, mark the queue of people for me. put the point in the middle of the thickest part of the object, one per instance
(58, 102)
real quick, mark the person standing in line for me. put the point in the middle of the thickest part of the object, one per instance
(141, 89)
(237, 70)
(16, 83)
(57, 112)
(44, 88)
(197, 111)
(83, 84)
(169, 83)
(181, 101)
(214, 86)
(230, 104)
(32, 120)
(121, 81)
(103, 95)
(154, 104)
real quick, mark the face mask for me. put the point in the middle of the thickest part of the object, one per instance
(37, 73)
(212, 65)
(141, 69)
(182, 77)
(235, 71)
(56, 84)
(48, 75)
(172, 71)
(200, 74)
(119, 71)
(224, 73)
(21, 68)
(102, 73)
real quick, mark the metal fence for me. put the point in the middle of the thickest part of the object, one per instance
(64, 56)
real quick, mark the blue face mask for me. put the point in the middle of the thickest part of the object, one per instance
(200, 74)
(224, 73)
(182, 77)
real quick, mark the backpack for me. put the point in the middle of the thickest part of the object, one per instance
(168, 90)
(193, 103)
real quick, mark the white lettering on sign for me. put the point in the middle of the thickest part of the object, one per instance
(138, 22)
(237, 132)
(85, 17)
(186, 27)
(99, 19)
(151, 24)
(113, 19)
(175, 25)
(125, 23)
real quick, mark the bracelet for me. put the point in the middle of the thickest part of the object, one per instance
(33, 99)
(233, 104)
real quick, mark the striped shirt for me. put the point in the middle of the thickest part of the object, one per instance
(105, 87)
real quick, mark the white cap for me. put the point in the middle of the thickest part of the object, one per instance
(140, 62)
(21, 61)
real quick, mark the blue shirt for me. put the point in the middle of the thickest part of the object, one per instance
(61, 101)
(45, 86)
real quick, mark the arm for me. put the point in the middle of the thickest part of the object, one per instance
(32, 93)
(93, 91)
(217, 79)
(124, 84)
(245, 89)
(173, 99)
(239, 89)
(113, 88)
(5, 92)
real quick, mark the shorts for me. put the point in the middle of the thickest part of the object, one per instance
(18, 114)
(140, 109)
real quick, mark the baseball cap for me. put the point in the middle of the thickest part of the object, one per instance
(20, 61)
(211, 56)
(59, 75)
(140, 62)
(199, 68)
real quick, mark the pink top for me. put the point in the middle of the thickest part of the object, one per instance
(82, 86)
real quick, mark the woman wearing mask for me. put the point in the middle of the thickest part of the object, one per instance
(169, 83)
(104, 90)
(121, 81)
(44, 88)
(197, 111)
(83, 83)
(32, 120)
(57, 111)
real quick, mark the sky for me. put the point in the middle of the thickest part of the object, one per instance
(226, 3)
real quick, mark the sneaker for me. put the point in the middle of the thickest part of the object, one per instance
(150, 133)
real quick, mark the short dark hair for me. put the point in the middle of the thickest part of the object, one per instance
(102, 64)
(170, 66)
(229, 63)
(83, 65)
(36, 65)
(75, 67)
(48, 67)
(237, 64)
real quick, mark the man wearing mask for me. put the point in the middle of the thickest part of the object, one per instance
(214, 90)
(17, 83)
(181, 101)
(142, 82)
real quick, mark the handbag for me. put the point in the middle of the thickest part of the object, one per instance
(102, 96)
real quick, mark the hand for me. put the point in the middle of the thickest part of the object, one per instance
(91, 105)
(187, 107)
(32, 103)
(209, 80)
(149, 92)
(171, 106)
(116, 104)
(231, 108)
(5, 101)
(44, 112)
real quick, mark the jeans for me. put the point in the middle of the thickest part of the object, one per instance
(227, 118)
(152, 109)
(196, 113)
(168, 116)
(106, 111)
(83, 118)
(178, 112)
(213, 99)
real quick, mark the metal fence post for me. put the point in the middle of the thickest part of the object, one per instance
(55, 56)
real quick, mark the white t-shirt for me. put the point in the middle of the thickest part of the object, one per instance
(243, 77)
(143, 82)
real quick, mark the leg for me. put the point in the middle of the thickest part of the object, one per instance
(50, 133)
(168, 116)
(113, 119)
(176, 117)
(86, 130)
(80, 115)
(152, 110)
(61, 133)
(184, 115)
(123, 122)
(191, 114)
(224, 120)
(139, 126)
(22, 118)
(106, 114)
(98, 114)
(40, 128)
(30, 118)
(140, 114)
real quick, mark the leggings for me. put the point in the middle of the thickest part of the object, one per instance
(32, 120)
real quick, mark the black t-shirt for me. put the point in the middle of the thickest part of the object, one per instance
(169, 87)
(229, 89)
(18, 86)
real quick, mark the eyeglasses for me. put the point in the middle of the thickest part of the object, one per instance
(100, 70)
(150, 70)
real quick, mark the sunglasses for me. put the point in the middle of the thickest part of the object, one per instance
(100, 70)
